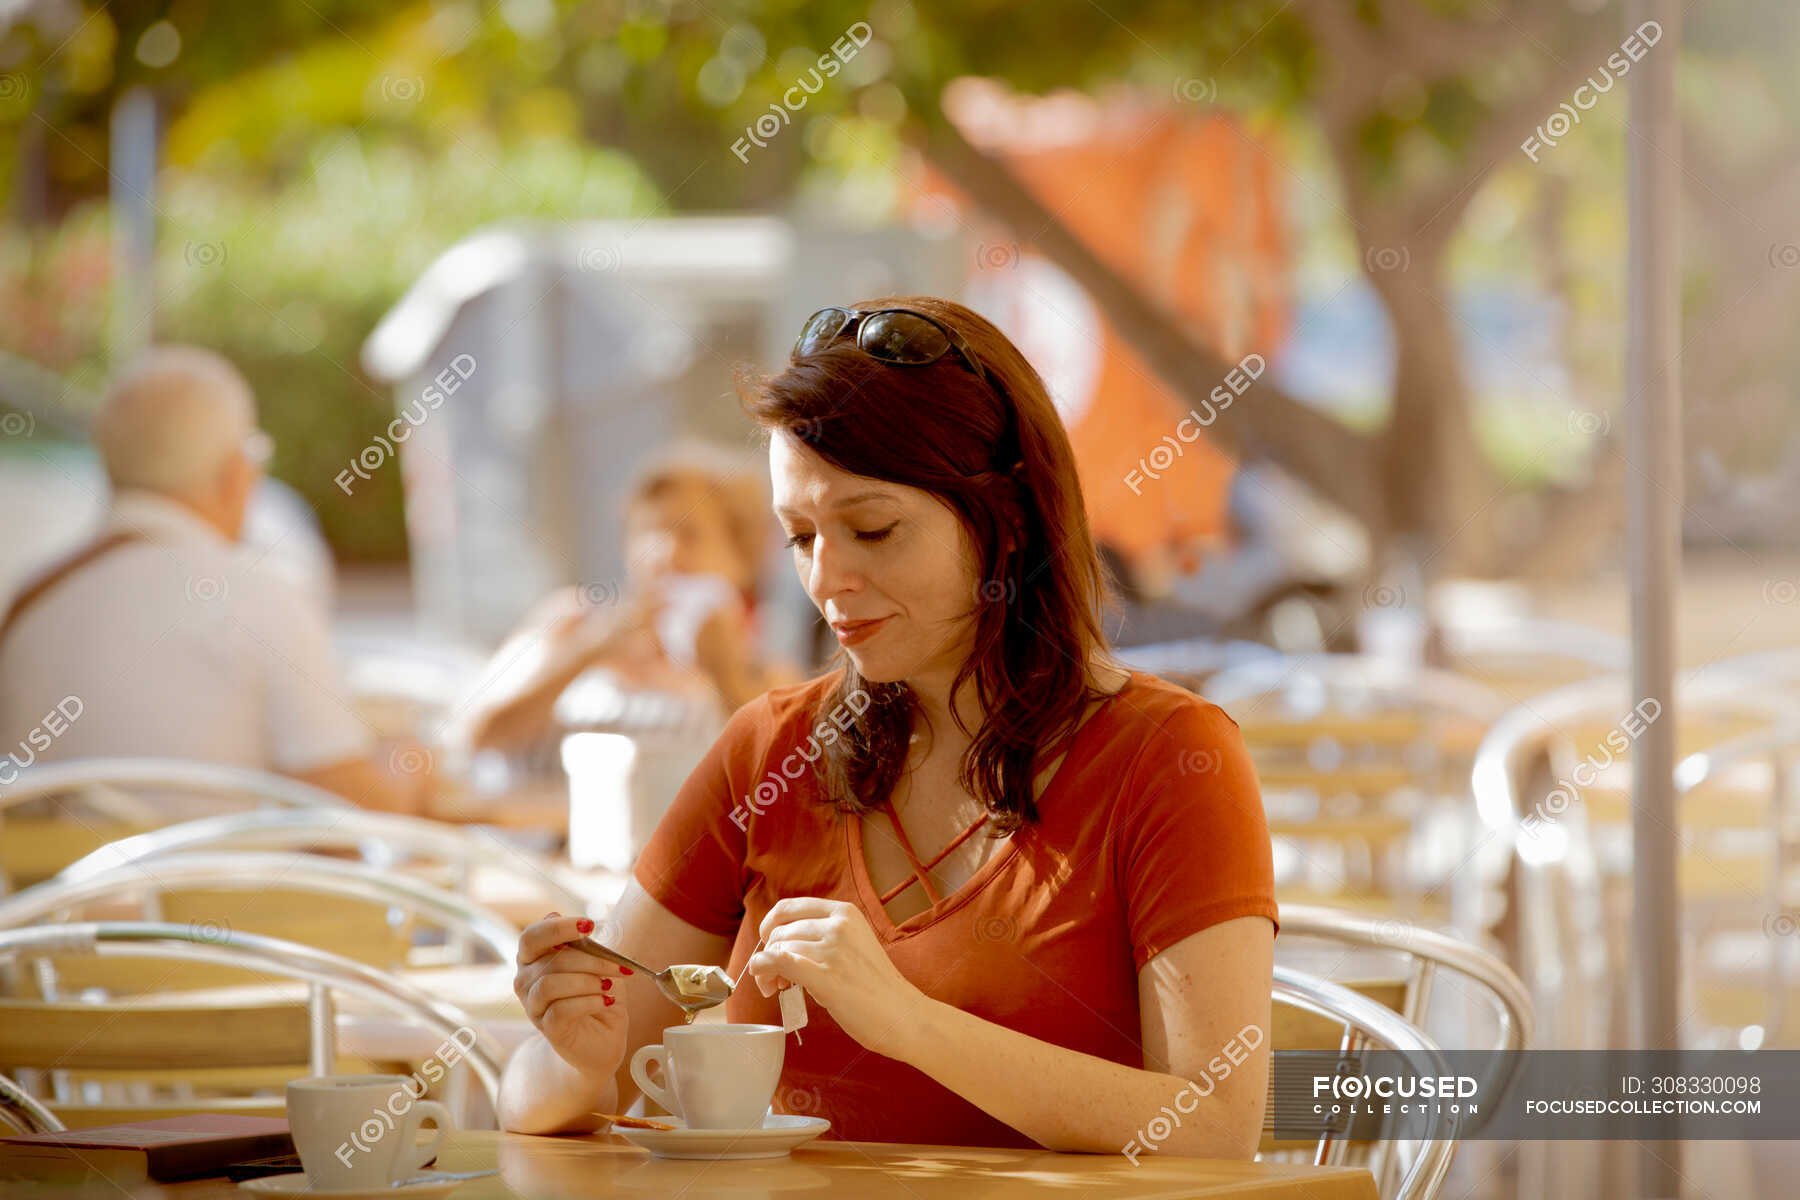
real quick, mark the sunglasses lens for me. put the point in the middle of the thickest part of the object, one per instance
(901, 337)
(820, 328)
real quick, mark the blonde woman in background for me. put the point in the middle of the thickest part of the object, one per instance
(697, 527)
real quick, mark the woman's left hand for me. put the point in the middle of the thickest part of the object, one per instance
(828, 947)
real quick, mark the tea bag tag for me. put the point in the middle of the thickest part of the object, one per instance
(793, 1010)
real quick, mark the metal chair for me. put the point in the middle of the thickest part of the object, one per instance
(113, 775)
(1428, 952)
(1556, 894)
(1364, 1023)
(111, 795)
(383, 839)
(1747, 789)
(182, 1037)
(1541, 842)
(1364, 767)
(261, 872)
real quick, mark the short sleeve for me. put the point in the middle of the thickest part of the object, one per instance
(1193, 849)
(310, 719)
(694, 861)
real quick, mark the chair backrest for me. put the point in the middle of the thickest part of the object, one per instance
(1430, 952)
(157, 1036)
(1364, 765)
(1738, 801)
(304, 898)
(113, 1035)
(100, 800)
(1362, 1023)
(1373, 716)
(107, 778)
(1723, 701)
(383, 838)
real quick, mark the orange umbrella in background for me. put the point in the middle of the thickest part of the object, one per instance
(1179, 199)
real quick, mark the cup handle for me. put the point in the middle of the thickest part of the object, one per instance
(640, 1061)
(410, 1134)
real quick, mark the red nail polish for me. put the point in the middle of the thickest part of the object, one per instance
(584, 926)
(608, 999)
(606, 985)
(625, 970)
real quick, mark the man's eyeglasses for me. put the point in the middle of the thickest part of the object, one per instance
(893, 335)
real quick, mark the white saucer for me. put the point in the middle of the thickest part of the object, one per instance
(295, 1185)
(780, 1133)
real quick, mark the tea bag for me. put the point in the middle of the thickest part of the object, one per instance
(793, 1010)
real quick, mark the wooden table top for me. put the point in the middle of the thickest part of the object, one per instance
(572, 1168)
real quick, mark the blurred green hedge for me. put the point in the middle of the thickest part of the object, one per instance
(288, 281)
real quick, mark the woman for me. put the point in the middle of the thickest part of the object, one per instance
(1056, 983)
(696, 529)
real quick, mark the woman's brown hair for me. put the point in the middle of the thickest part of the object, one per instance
(998, 455)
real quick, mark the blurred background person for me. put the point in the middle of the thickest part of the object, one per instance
(686, 622)
(172, 640)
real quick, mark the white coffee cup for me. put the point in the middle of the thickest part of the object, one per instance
(356, 1131)
(720, 1076)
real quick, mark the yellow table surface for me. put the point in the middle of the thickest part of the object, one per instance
(567, 1168)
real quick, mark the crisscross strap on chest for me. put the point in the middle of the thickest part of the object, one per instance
(922, 871)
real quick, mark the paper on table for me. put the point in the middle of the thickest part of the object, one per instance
(793, 1010)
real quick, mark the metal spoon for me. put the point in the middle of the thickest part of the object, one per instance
(717, 988)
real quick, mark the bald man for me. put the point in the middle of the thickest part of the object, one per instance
(159, 637)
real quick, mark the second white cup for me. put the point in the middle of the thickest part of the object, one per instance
(718, 1076)
(356, 1131)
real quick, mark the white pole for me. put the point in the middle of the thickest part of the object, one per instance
(1654, 489)
(132, 131)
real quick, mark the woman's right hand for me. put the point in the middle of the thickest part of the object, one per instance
(573, 998)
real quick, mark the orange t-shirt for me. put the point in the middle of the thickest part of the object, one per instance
(1151, 829)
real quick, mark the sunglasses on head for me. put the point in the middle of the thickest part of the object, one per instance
(892, 335)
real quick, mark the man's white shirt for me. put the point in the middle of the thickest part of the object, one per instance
(174, 645)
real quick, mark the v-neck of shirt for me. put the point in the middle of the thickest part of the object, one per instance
(884, 924)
